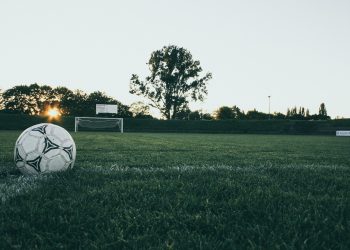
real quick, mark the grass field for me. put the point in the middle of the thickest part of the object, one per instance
(180, 191)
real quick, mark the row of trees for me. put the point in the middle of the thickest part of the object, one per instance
(227, 113)
(36, 99)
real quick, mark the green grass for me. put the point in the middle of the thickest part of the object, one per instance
(180, 191)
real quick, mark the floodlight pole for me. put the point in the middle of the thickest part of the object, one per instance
(269, 106)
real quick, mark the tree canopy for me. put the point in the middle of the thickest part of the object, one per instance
(140, 110)
(35, 100)
(27, 99)
(322, 111)
(174, 80)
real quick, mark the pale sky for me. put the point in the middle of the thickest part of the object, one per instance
(296, 51)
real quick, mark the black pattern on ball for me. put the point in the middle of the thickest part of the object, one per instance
(18, 157)
(69, 151)
(49, 145)
(35, 163)
(41, 129)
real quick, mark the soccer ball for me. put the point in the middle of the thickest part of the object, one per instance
(44, 148)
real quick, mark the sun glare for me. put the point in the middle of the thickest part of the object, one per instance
(53, 113)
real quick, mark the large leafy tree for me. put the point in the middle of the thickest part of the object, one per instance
(26, 99)
(29, 99)
(174, 80)
(224, 113)
(74, 103)
(61, 95)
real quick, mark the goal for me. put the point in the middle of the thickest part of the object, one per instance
(99, 124)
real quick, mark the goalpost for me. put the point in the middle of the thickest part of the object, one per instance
(98, 123)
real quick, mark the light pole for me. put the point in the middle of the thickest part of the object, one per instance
(269, 106)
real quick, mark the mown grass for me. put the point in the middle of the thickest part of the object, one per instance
(180, 191)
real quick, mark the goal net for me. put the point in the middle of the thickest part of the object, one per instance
(98, 124)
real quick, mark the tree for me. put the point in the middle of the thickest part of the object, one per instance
(288, 113)
(224, 113)
(28, 99)
(256, 115)
(278, 116)
(237, 113)
(173, 82)
(307, 114)
(74, 103)
(293, 111)
(60, 94)
(322, 112)
(140, 110)
(194, 115)
(183, 114)
(44, 97)
(21, 99)
(207, 116)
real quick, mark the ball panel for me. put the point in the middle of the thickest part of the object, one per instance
(49, 128)
(32, 155)
(52, 153)
(29, 143)
(55, 139)
(41, 144)
(57, 163)
(61, 133)
(44, 164)
(35, 133)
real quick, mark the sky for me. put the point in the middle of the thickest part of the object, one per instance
(297, 52)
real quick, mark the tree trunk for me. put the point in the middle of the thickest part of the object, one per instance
(168, 115)
(174, 112)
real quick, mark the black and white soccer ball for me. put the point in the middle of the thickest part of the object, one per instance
(44, 148)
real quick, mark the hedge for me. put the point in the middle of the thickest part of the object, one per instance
(21, 122)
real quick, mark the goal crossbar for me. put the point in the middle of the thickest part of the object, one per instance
(98, 123)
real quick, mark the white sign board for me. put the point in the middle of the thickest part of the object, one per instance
(106, 108)
(343, 133)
